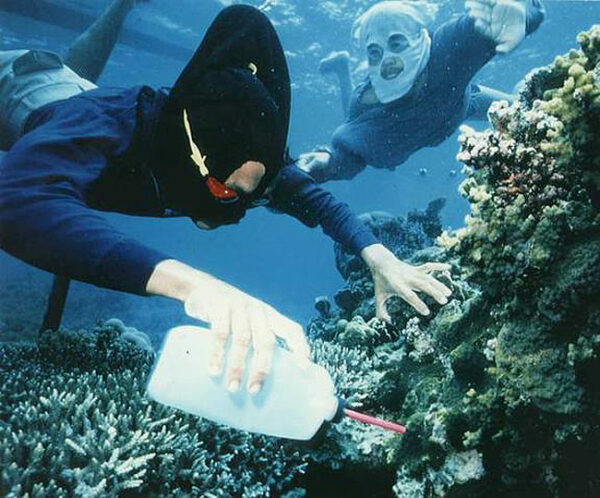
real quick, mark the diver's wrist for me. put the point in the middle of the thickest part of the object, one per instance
(176, 280)
(375, 255)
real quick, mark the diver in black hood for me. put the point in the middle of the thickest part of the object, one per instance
(211, 148)
(230, 107)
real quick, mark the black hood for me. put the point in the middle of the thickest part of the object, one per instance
(236, 93)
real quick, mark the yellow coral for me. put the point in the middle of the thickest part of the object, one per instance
(446, 240)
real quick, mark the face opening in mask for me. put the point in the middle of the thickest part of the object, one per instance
(231, 198)
(396, 44)
(390, 61)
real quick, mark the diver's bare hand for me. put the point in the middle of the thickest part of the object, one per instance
(249, 324)
(502, 21)
(315, 163)
(393, 277)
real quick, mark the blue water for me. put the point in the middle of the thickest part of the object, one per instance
(270, 256)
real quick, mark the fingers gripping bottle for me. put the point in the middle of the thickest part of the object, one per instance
(293, 403)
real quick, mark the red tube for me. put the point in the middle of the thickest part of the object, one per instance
(368, 419)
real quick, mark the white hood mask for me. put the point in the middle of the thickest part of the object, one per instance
(377, 25)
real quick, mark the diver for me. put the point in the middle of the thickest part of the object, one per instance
(419, 85)
(211, 148)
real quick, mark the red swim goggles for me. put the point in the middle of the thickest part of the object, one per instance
(218, 189)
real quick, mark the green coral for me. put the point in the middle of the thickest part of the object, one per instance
(533, 178)
(74, 421)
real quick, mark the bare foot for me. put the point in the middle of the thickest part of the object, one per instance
(334, 62)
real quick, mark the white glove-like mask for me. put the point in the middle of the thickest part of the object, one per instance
(395, 72)
(397, 44)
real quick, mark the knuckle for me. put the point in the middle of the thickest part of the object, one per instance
(305, 349)
(221, 333)
(235, 373)
(271, 312)
(242, 340)
(217, 351)
(261, 374)
(296, 328)
(404, 292)
(430, 278)
(266, 342)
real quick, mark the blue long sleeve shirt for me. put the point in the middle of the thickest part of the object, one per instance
(80, 156)
(386, 135)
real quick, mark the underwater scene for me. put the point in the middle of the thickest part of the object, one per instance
(387, 214)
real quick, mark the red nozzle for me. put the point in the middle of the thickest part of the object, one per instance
(368, 419)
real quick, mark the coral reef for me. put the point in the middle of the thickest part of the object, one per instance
(74, 421)
(355, 306)
(500, 388)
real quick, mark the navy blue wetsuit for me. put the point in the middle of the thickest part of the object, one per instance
(83, 155)
(385, 135)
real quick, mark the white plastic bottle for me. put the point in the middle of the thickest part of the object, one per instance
(293, 402)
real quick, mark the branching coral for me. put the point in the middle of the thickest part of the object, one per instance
(74, 421)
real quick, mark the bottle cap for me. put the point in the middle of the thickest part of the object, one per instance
(339, 413)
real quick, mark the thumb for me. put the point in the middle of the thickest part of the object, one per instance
(195, 307)
(503, 48)
(481, 25)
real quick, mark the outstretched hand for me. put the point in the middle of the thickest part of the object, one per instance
(392, 277)
(503, 21)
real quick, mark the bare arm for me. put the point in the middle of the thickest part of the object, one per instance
(338, 63)
(46, 222)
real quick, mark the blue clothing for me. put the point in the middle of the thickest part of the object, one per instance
(86, 154)
(385, 135)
